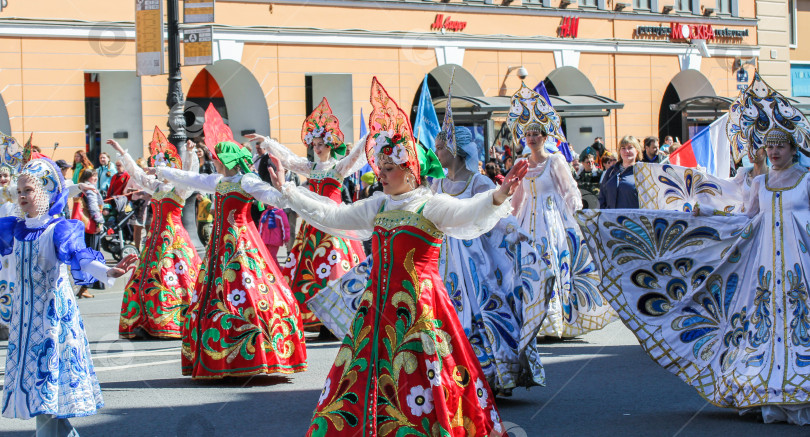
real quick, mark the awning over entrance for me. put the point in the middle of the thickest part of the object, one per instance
(480, 108)
(702, 108)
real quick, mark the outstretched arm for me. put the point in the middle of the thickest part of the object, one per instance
(189, 181)
(290, 160)
(148, 183)
(354, 161)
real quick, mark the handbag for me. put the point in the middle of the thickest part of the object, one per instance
(81, 212)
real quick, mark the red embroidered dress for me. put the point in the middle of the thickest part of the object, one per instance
(243, 320)
(318, 258)
(406, 366)
(158, 293)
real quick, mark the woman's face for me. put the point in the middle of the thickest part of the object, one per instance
(628, 153)
(200, 154)
(535, 140)
(119, 167)
(508, 163)
(28, 196)
(781, 155)
(93, 179)
(77, 157)
(320, 149)
(443, 153)
(393, 178)
(5, 178)
(103, 159)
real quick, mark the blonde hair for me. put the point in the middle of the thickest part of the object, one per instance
(632, 141)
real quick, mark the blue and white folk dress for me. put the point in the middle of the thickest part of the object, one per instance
(48, 367)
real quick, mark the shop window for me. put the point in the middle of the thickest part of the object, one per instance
(645, 5)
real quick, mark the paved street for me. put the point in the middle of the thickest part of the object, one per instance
(601, 384)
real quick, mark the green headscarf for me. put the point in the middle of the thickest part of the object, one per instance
(429, 164)
(232, 154)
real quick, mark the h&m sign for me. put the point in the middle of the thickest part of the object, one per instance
(569, 27)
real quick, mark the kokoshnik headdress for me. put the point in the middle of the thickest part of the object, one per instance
(390, 135)
(162, 152)
(215, 130)
(528, 109)
(51, 181)
(12, 155)
(759, 111)
(322, 123)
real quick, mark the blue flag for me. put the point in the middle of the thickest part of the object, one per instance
(426, 126)
(363, 131)
(564, 148)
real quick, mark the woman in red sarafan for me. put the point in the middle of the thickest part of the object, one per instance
(317, 257)
(243, 319)
(405, 367)
(158, 292)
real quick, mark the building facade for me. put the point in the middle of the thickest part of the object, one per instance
(68, 69)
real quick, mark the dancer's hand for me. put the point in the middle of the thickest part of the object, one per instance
(277, 176)
(256, 138)
(123, 266)
(510, 182)
(116, 146)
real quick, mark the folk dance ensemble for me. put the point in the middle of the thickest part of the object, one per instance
(317, 257)
(243, 319)
(720, 301)
(406, 366)
(49, 372)
(544, 205)
(494, 281)
(158, 293)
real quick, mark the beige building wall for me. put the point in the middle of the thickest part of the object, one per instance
(773, 39)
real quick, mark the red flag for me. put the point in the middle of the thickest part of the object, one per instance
(684, 156)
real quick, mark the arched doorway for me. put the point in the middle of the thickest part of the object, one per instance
(580, 131)
(5, 123)
(673, 119)
(236, 94)
(464, 84)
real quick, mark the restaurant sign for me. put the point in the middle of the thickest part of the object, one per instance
(687, 32)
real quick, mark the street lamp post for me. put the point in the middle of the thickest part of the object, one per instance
(175, 100)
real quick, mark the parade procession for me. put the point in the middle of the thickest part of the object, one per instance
(401, 218)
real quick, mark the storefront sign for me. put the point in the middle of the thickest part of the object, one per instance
(198, 11)
(149, 37)
(569, 27)
(800, 80)
(687, 32)
(444, 23)
(198, 48)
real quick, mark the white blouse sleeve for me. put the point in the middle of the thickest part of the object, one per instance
(99, 271)
(752, 202)
(353, 221)
(519, 197)
(189, 181)
(465, 218)
(565, 183)
(289, 160)
(354, 161)
(147, 182)
(261, 190)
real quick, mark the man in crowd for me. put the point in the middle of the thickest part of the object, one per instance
(597, 149)
(651, 153)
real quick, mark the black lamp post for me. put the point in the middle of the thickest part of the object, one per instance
(175, 100)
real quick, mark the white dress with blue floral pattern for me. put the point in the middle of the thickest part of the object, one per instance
(722, 302)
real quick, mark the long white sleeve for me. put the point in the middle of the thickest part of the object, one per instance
(146, 182)
(565, 183)
(99, 271)
(354, 221)
(260, 190)
(186, 180)
(354, 161)
(289, 160)
(465, 218)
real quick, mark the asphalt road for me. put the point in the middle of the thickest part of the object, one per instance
(600, 384)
